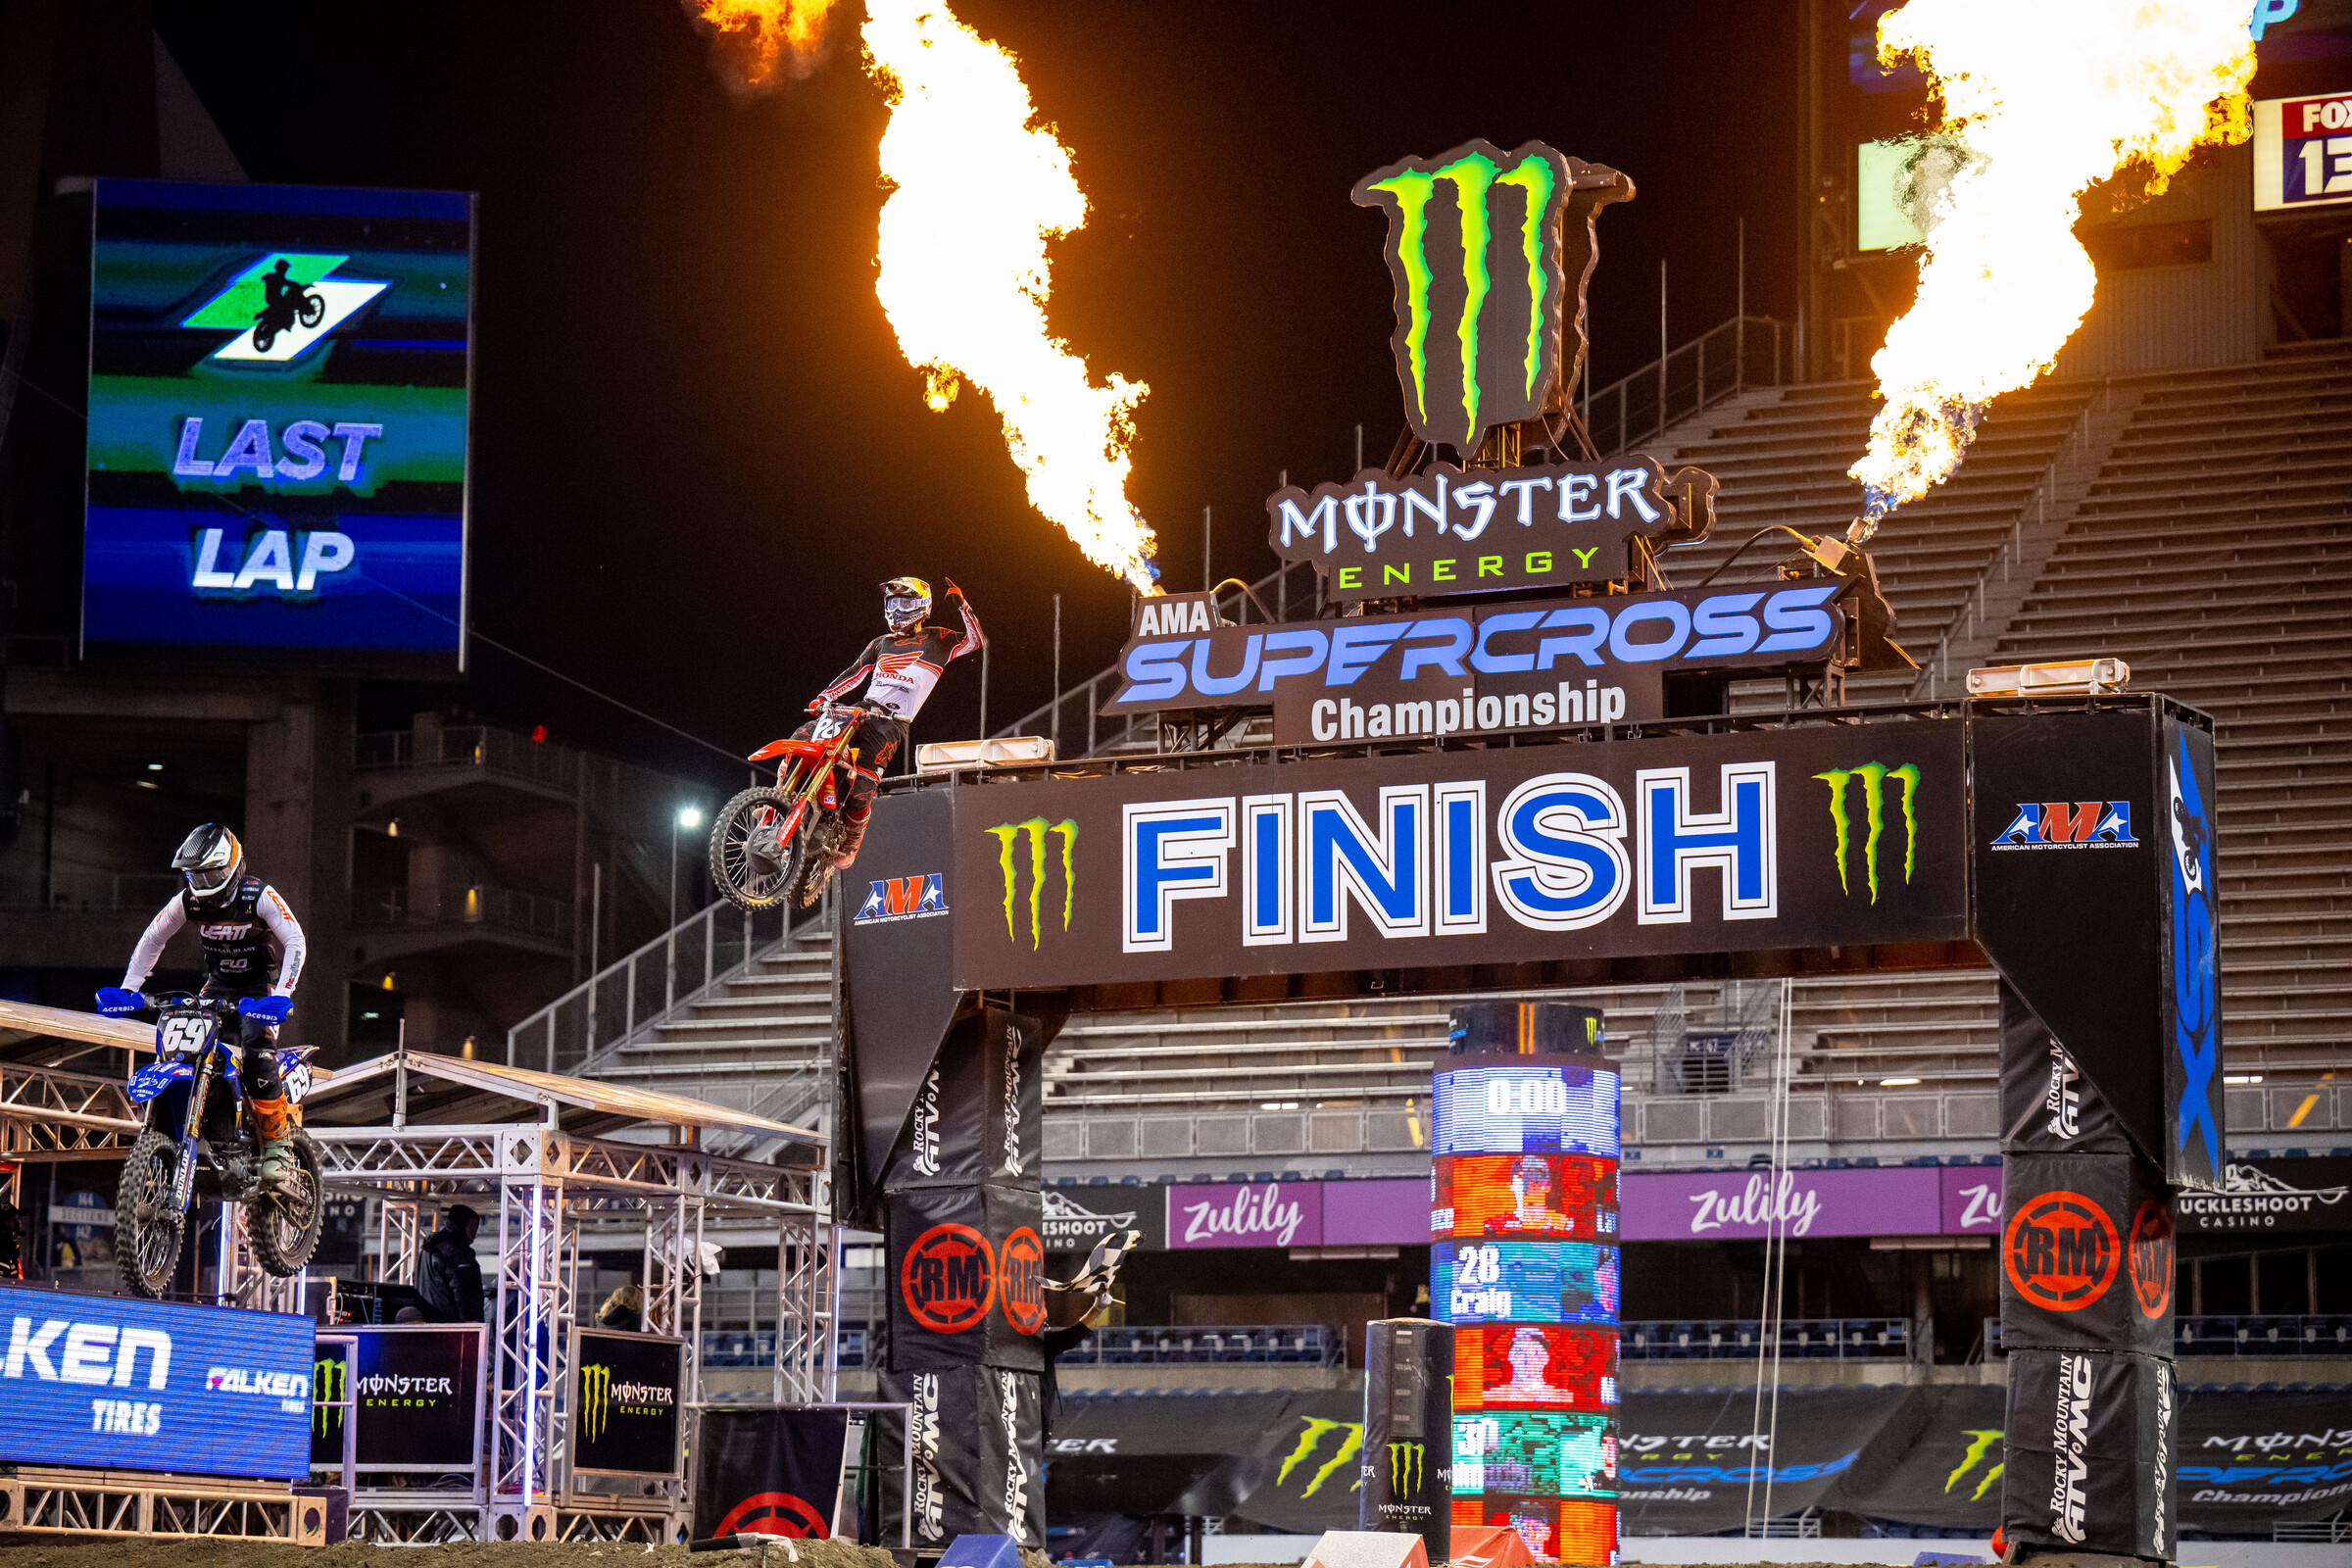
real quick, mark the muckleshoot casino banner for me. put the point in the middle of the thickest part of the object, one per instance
(278, 422)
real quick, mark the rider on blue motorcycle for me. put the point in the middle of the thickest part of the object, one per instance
(236, 917)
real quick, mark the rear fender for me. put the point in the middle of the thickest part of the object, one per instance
(294, 1067)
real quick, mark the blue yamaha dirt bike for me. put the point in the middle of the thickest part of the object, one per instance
(195, 1042)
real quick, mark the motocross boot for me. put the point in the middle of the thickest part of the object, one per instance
(853, 833)
(274, 1121)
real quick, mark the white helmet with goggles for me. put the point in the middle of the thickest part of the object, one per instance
(906, 602)
(212, 859)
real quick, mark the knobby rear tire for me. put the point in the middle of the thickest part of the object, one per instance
(147, 1220)
(284, 1225)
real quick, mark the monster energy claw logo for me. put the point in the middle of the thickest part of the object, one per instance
(327, 1375)
(1980, 1444)
(1035, 830)
(1351, 1435)
(1504, 360)
(596, 1398)
(1406, 1467)
(1874, 777)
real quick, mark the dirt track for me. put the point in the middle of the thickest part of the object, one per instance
(165, 1552)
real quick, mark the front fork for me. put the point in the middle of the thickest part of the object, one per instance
(191, 1133)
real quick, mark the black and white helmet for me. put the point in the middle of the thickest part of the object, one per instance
(212, 859)
(906, 602)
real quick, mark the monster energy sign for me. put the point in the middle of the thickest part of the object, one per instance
(624, 1416)
(1874, 777)
(1476, 256)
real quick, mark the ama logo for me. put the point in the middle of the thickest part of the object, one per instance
(2061, 825)
(905, 898)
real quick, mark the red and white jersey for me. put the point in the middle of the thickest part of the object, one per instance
(905, 665)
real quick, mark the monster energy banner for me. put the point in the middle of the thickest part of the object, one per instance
(1476, 252)
(1447, 531)
(418, 1391)
(1689, 1460)
(330, 1385)
(1408, 1455)
(1768, 840)
(625, 1403)
(767, 1471)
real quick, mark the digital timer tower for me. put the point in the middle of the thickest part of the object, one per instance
(1523, 1262)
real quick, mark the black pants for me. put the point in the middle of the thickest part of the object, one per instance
(877, 740)
(256, 1060)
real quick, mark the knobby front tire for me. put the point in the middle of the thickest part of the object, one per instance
(147, 1219)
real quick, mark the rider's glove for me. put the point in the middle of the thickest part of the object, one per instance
(268, 1009)
(816, 705)
(117, 1003)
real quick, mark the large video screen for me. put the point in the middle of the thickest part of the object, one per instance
(1520, 1366)
(1524, 1282)
(1570, 1197)
(1555, 1528)
(110, 1383)
(1526, 1110)
(278, 422)
(1540, 1454)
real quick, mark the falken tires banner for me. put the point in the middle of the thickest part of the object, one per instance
(108, 1383)
(768, 1472)
(1850, 835)
(624, 1412)
(2091, 1466)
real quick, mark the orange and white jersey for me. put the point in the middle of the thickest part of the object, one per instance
(905, 665)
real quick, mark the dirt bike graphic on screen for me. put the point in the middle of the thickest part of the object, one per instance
(773, 844)
(287, 302)
(195, 1043)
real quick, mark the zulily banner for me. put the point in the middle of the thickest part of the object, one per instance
(1478, 671)
(1802, 837)
(277, 421)
(110, 1383)
(625, 1416)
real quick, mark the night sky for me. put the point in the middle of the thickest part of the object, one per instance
(697, 449)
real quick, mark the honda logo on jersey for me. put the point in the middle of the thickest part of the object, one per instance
(904, 898)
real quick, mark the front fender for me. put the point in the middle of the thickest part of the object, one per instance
(156, 1077)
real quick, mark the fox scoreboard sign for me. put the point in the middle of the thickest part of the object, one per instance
(1692, 844)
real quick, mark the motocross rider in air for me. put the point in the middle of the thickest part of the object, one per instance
(905, 663)
(236, 917)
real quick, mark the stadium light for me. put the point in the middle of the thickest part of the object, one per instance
(2074, 677)
(689, 817)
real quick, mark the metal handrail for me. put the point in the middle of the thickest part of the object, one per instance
(1746, 350)
(621, 1001)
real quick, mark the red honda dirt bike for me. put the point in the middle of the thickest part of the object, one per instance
(772, 844)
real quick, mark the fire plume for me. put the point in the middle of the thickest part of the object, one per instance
(754, 38)
(978, 191)
(2049, 101)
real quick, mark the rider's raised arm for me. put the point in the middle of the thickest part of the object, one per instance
(849, 676)
(160, 931)
(292, 948)
(973, 636)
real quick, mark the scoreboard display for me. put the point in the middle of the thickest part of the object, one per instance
(1536, 1455)
(1523, 1263)
(1525, 1282)
(1571, 1198)
(1566, 1109)
(1532, 1366)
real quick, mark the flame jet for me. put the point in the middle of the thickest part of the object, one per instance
(2050, 100)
